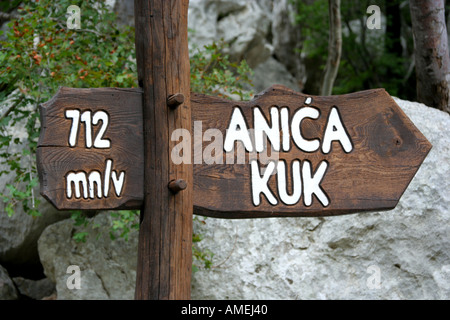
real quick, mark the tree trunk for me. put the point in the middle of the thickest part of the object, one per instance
(334, 47)
(431, 53)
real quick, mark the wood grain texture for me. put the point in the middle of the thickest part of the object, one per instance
(165, 237)
(56, 158)
(387, 151)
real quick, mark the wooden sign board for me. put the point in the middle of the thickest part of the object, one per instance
(90, 150)
(324, 155)
(336, 154)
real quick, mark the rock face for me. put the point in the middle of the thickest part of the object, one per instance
(34, 289)
(19, 233)
(242, 24)
(258, 31)
(398, 254)
(272, 72)
(7, 289)
(107, 268)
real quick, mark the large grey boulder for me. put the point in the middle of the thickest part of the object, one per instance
(20, 232)
(7, 289)
(243, 25)
(107, 268)
(261, 32)
(269, 72)
(34, 289)
(287, 41)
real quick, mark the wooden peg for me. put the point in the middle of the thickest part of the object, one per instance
(175, 100)
(177, 185)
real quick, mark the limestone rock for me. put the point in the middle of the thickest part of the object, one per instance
(107, 267)
(7, 289)
(243, 25)
(272, 72)
(261, 32)
(287, 40)
(19, 233)
(34, 289)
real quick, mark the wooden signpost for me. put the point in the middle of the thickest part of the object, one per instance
(282, 154)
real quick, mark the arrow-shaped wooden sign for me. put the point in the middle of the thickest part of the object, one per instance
(336, 155)
(283, 154)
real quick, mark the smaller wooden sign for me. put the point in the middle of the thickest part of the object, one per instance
(90, 151)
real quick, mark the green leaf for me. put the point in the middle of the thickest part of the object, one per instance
(9, 210)
(80, 236)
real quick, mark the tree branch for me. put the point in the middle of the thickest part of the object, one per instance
(10, 109)
(334, 47)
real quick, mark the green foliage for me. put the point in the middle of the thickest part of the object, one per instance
(312, 18)
(7, 6)
(202, 258)
(124, 221)
(213, 73)
(26, 197)
(368, 59)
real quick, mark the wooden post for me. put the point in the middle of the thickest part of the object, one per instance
(165, 238)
